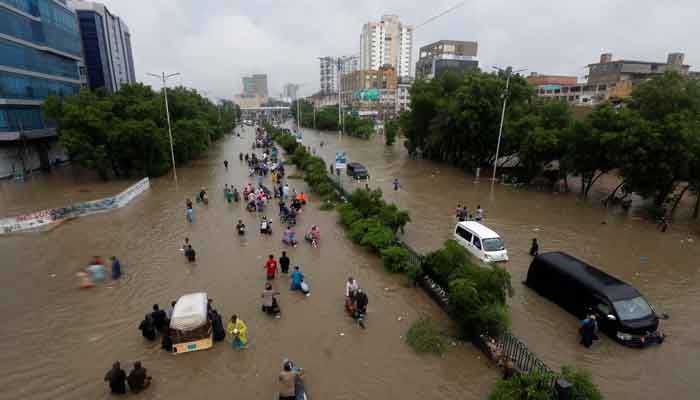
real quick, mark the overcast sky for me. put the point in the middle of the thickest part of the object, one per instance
(214, 42)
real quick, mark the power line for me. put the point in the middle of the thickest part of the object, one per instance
(449, 10)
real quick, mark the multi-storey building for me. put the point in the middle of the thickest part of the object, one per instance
(328, 67)
(255, 85)
(290, 91)
(40, 54)
(371, 90)
(609, 80)
(445, 55)
(387, 42)
(106, 42)
(349, 64)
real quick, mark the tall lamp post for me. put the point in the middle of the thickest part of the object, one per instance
(509, 72)
(163, 78)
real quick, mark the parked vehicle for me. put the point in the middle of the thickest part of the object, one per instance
(482, 242)
(621, 311)
(357, 171)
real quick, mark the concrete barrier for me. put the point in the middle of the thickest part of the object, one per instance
(44, 218)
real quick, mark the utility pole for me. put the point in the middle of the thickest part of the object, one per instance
(341, 125)
(163, 78)
(509, 72)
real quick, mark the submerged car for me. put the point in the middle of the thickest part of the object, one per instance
(580, 288)
(357, 171)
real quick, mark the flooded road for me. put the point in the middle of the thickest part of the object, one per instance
(57, 341)
(663, 267)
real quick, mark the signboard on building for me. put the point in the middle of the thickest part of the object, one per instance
(340, 160)
(367, 95)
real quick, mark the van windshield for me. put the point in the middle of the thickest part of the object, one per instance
(494, 244)
(630, 309)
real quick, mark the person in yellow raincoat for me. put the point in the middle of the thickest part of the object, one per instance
(238, 331)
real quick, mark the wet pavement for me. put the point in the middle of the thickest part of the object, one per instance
(663, 266)
(58, 341)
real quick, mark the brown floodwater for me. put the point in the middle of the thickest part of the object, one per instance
(663, 266)
(57, 341)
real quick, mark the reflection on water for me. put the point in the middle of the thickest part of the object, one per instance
(58, 341)
(662, 266)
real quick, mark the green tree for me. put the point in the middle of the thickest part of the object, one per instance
(391, 130)
(593, 145)
(456, 117)
(655, 153)
(124, 134)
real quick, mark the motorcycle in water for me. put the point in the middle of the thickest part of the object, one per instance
(299, 387)
(356, 307)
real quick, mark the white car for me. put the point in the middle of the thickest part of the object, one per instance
(482, 242)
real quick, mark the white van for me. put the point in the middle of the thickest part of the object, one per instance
(481, 241)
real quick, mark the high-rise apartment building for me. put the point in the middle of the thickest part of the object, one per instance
(290, 91)
(255, 85)
(106, 42)
(40, 55)
(328, 67)
(387, 42)
(329, 74)
(349, 64)
(445, 55)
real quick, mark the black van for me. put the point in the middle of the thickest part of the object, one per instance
(621, 311)
(357, 171)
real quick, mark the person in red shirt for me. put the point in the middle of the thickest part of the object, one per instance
(271, 267)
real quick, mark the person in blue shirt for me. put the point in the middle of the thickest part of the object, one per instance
(297, 278)
(116, 268)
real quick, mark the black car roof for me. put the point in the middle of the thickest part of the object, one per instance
(588, 275)
(356, 165)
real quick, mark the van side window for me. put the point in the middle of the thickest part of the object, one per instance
(602, 306)
(477, 242)
(464, 234)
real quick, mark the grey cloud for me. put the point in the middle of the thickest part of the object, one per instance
(214, 42)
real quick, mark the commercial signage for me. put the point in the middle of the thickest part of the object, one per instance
(340, 160)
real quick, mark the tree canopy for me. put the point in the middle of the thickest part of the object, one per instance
(125, 133)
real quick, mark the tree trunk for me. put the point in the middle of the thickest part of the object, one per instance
(678, 200)
(583, 186)
(696, 210)
(592, 182)
(612, 195)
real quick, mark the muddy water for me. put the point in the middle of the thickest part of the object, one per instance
(663, 266)
(57, 341)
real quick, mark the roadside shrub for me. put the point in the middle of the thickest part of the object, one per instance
(396, 259)
(327, 205)
(348, 215)
(359, 228)
(413, 272)
(531, 386)
(424, 336)
(393, 217)
(474, 308)
(582, 383)
(367, 202)
(378, 237)
(441, 264)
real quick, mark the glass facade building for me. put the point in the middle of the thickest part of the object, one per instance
(40, 53)
(106, 46)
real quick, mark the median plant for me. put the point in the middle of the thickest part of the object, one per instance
(425, 336)
(396, 259)
(477, 294)
(538, 386)
(530, 386)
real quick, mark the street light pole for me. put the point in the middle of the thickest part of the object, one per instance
(509, 72)
(164, 77)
